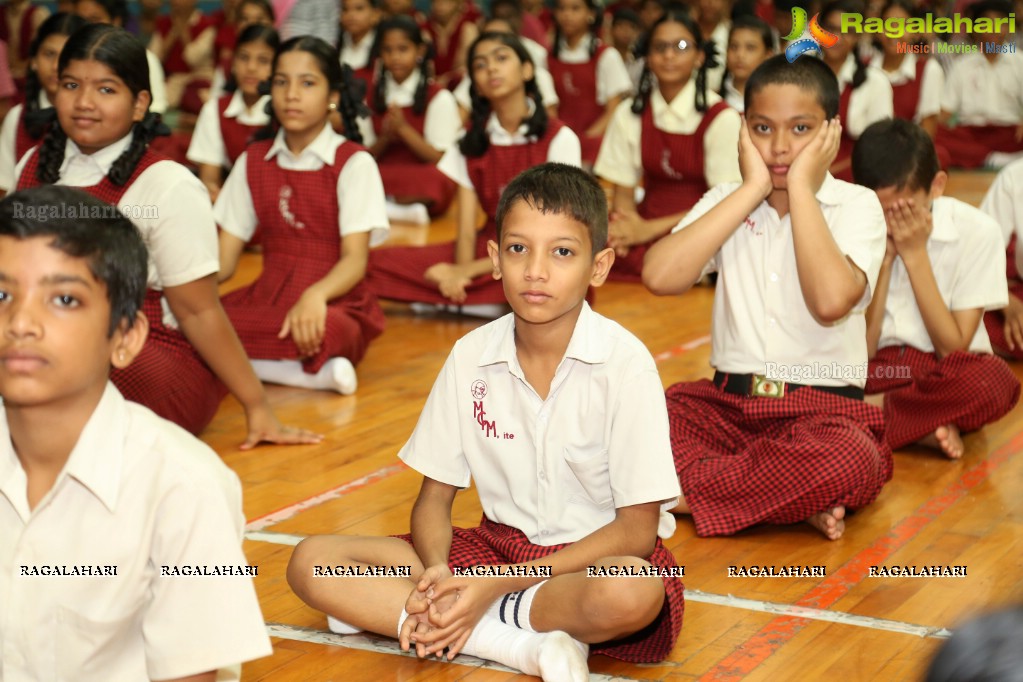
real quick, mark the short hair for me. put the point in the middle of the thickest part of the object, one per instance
(984, 650)
(560, 189)
(625, 15)
(84, 227)
(895, 153)
(978, 9)
(808, 73)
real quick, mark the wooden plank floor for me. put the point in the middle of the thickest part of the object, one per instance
(845, 625)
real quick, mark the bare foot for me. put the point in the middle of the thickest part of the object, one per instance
(946, 438)
(681, 507)
(830, 522)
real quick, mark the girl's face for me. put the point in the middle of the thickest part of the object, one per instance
(358, 17)
(45, 63)
(251, 66)
(497, 70)
(846, 41)
(251, 13)
(443, 10)
(890, 45)
(93, 12)
(300, 93)
(95, 107)
(673, 55)
(400, 55)
(574, 17)
(745, 52)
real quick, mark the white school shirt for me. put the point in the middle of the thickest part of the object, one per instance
(356, 54)
(620, 159)
(137, 493)
(556, 469)
(1004, 203)
(544, 83)
(157, 84)
(537, 52)
(931, 85)
(8, 141)
(168, 205)
(760, 315)
(968, 260)
(564, 148)
(981, 93)
(442, 125)
(719, 36)
(733, 97)
(869, 103)
(360, 192)
(612, 76)
(207, 145)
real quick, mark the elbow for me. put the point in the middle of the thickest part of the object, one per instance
(661, 277)
(834, 306)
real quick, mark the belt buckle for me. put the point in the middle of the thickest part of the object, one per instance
(763, 387)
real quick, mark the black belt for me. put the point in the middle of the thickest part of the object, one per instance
(758, 385)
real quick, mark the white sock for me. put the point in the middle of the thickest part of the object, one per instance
(401, 621)
(337, 374)
(408, 213)
(341, 627)
(514, 608)
(553, 656)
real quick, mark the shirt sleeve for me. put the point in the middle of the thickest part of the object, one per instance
(234, 211)
(8, 137)
(360, 198)
(612, 76)
(565, 148)
(869, 103)
(980, 280)
(930, 90)
(454, 165)
(462, 96)
(1002, 202)
(951, 93)
(721, 149)
(442, 123)
(207, 145)
(545, 84)
(713, 197)
(157, 83)
(619, 159)
(858, 227)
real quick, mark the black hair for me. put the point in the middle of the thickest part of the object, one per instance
(625, 15)
(340, 79)
(475, 142)
(678, 15)
(254, 33)
(407, 26)
(849, 7)
(263, 4)
(597, 9)
(809, 74)
(748, 22)
(1003, 7)
(895, 153)
(986, 649)
(125, 55)
(38, 120)
(117, 9)
(514, 10)
(559, 189)
(83, 226)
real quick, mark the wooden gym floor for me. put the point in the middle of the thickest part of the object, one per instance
(846, 625)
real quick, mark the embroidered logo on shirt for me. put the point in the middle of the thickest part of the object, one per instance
(479, 389)
(570, 88)
(666, 165)
(488, 426)
(283, 201)
(751, 225)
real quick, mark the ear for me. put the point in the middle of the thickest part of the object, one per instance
(420, 53)
(528, 72)
(938, 184)
(141, 105)
(128, 341)
(335, 99)
(495, 257)
(602, 263)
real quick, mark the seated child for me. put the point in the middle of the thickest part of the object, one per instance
(929, 354)
(97, 488)
(1004, 203)
(183, 43)
(359, 19)
(750, 42)
(451, 29)
(557, 491)
(797, 253)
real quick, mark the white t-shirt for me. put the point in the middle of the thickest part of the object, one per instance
(1004, 203)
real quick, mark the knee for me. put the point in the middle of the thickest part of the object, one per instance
(627, 604)
(300, 567)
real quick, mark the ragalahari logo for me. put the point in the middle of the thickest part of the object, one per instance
(817, 41)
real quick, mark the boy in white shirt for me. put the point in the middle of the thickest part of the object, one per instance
(944, 265)
(1004, 203)
(557, 414)
(120, 533)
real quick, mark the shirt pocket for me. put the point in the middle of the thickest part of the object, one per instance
(90, 648)
(589, 467)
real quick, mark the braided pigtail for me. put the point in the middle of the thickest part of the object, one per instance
(270, 129)
(475, 141)
(646, 86)
(143, 133)
(860, 74)
(380, 93)
(419, 101)
(537, 123)
(51, 155)
(710, 53)
(352, 106)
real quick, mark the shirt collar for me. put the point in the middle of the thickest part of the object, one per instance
(589, 342)
(845, 74)
(322, 147)
(104, 158)
(682, 105)
(236, 107)
(943, 221)
(831, 191)
(497, 133)
(906, 70)
(582, 48)
(44, 101)
(402, 92)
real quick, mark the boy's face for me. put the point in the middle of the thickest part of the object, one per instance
(782, 120)
(55, 348)
(545, 261)
(920, 196)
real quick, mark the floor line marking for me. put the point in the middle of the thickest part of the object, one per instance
(275, 538)
(682, 349)
(285, 513)
(760, 646)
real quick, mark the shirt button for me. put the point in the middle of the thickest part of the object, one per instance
(774, 276)
(772, 322)
(543, 476)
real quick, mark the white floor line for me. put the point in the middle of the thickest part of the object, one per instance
(275, 538)
(678, 350)
(381, 645)
(818, 614)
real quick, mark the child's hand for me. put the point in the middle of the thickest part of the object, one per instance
(307, 323)
(751, 165)
(811, 164)
(395, 119)
(417, 606)
(452, 626)
(264, 427)
(1014, 323)
(450, 280)
(624, 230)
(911, 226)
(890, 252)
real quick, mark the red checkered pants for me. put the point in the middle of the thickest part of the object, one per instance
(965, 389)
(744, 460)
(493, 543)
(994, 322)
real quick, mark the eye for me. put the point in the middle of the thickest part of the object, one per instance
(68, 85)
(517, 248)
(801, 128)
(278, 82)
(4, 297)
(107, 90)
(65, 301)
(308, 83)
(563, 251)
(761, 128)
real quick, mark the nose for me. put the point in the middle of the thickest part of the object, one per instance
(83, 98)
(780, 144)
(291, 93)
(22, 321)
(536, 266)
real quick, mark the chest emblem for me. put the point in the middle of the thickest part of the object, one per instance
(284, 206)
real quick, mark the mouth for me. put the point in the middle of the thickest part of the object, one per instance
(21, 362)
(84, 122)
(779, 170)
(535, 296)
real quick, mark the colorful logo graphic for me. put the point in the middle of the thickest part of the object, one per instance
(818, 40)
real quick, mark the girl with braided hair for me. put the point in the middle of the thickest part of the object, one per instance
(319, 202)
(677, 137)
(508, 132)
(101, 143)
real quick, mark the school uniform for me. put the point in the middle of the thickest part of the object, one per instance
(224, 127)
(858, 108)
(405, 175)
(188, 62)
(176, 223)
(676, 152)
(358, 54)
(15, 140)
(137, 494)
(744, 457)
(731, 94)
(545, 477)
(917, 85)
(1004, 203)
(31, 18)
(305, 206)
(968, 388)
(585, 82)
(444, 55)
(719, 36)
(398, 273)
(544, 83)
